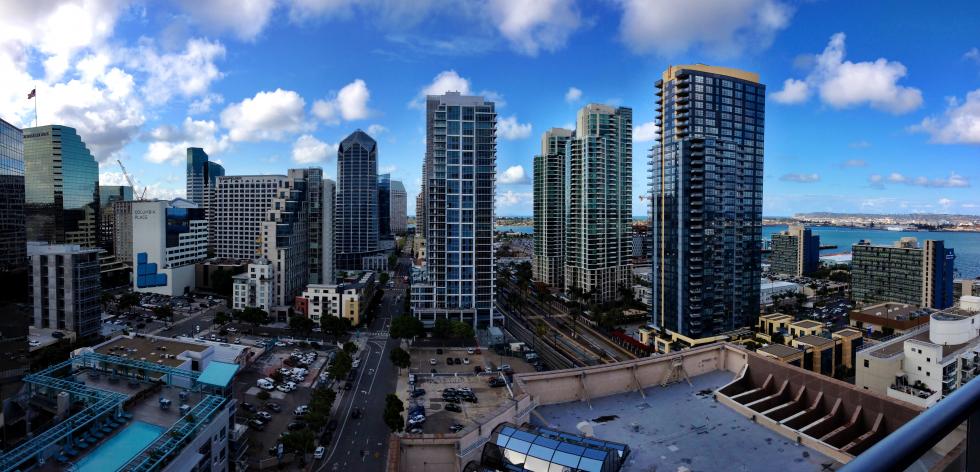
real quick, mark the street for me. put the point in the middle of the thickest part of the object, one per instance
(362, 444)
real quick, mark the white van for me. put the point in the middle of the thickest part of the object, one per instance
(266, 384)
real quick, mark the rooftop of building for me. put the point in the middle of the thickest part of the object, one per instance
(43, 248)
(775, 317)
(707, 436)
(893, 311)
(779, 351)
(770, 284)
(814, 340)
(150, 349)
(806, 324)
(848, 333)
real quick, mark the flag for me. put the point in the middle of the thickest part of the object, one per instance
(32, 94)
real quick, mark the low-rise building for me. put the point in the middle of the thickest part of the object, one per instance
(349, 300)
(769, 288)
(800, 328)
(774, 323)
(927, 363)
(254, 288)
(889, 318)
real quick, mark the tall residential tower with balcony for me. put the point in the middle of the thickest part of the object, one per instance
(550, 179)
(458, 279)
(598, 232)
(706, 198)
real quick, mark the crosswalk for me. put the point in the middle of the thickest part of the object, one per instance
(381, 333)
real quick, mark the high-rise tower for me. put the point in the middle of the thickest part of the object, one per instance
(598, 232)
(706, 196)
(13, 232)
(356, 210)
(550, 212)
(458, 280)
(62, 187)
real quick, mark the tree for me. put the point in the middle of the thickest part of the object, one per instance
(350, 348)
(392, 262)
(393, 413)
(401, 358)
(106, 300)
(405, 326)
(302, 441)
(164, 311)
(383, 278)
(342, 364)
(221, 318)
(461, 330)
(127, 301)
(334, 325)
(301, 323)
(443, 328)
(253, 315)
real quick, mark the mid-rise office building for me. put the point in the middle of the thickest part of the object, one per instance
(706, 173)
(550, 212)
(169, 238)
(458, 278)
(241, 204)
(255, 287)
(399, 208)
(62, 197)
(384, 206)
(795, 251)
(598, 231)
(356, 211)
(108, 196)
(13, 232)
(285, 237)
(903, 272)
(122, 230)
(65, 287)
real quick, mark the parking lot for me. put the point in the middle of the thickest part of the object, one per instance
(834, 312)
(486, 359)
(247, 386)
(438, 419)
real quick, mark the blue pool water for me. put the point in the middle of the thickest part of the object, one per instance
(119, 449)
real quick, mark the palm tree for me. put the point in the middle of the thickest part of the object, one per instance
(576, 294)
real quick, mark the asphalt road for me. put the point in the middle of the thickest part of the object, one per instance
(362, 444)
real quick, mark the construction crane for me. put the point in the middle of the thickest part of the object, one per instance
(130, 180)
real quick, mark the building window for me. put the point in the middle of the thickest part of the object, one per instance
(867, 364)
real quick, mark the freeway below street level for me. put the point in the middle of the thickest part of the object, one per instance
(362, 444)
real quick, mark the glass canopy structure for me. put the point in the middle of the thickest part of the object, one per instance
(528, 448)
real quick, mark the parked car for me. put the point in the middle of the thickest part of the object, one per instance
(432, 362)
(301, 410)
(273, 407)
(453, 407)
(449, 361)
(249, 407)
(456, 428)
(439, 351)
(478, 369)
(466, 360)
(264, 415)
(470, 351)
(319, 452)
(418, 392)
(256, 424)
(497, 382)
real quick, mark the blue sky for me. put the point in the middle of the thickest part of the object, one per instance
(872, 106)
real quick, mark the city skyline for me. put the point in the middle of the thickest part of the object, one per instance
(152, 80)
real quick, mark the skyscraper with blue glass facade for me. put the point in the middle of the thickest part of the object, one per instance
(62, 187)
(13, 232)
(384, 205)
(706, 200)
(356, 211)
(458, 279)
(202, 175)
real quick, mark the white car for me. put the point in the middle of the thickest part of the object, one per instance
(432, 362)
(283, 388)
(34, 343)
(301, 410)
(318, 452)
(280, 344)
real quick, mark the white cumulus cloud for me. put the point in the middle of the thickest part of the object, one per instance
(800, 178)
(509, 128)
(309, 150)
(513, 175)
(188, 73)
(531, 27)
(573, 95)
(266, 116)
(843, 84)
(646, 132)
(960, 123)
(953, 181)
(722, 27)
(511, 199)
(244, 18)
(350, 104)
(170, 143)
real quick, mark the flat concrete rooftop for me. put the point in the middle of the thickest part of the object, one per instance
(682, 427)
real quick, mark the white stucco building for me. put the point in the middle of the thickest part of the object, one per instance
(168, 239)
(255, 287)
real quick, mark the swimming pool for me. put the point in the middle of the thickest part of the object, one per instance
(119, 449)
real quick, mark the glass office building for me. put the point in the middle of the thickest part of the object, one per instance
(202, 176)
(533, 449)
(384, 205)
(706, 200)
(13, 232)
(458, 280)
(356, 210)
(62, 187)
